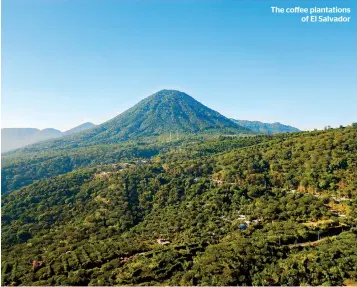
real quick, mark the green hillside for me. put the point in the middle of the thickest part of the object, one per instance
(268, 210)
(165, 112)
(21, 169)
(169, 111)
(266, 128)
(162, 120)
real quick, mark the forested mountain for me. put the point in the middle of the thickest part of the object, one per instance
(266, 128)
(14, 138)
(262, 210)
(169, 111)
(165, 112)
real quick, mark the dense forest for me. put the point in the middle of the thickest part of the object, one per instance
(22, 168)
(227, 210)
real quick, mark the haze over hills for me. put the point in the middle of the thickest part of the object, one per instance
(13, 138)
(266, 128)
(79, 128)
(159, 114)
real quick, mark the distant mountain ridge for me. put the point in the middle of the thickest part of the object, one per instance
(79, 128)
(266, 128)
(14, 138)
(159, 114)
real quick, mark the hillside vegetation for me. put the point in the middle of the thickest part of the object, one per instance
(21, 169)
(265, 210)
(266, 128)
(165, 112)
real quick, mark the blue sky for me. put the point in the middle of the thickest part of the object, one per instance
(65, 62)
